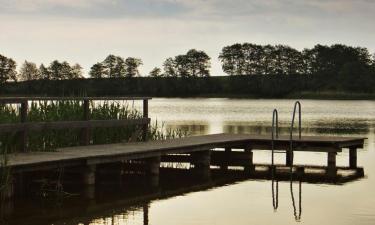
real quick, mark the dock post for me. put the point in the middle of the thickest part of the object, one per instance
(153, 166)
(353, 157)
(153, 170)
(289, 157)
(23, 134)
(145, 115)
(227, 155)
(145, 214)
(89, 175)
(331, 170)
(85, 133)
(8, 191)
(249, 167)
(201, 161)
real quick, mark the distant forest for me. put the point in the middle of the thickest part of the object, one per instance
(254, 70)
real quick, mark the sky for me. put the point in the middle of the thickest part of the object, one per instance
(86, 31)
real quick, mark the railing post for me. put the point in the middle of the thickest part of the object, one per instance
(85, 133)
(145, 115)
(23, 134)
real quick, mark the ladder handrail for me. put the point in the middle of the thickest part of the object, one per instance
(274, 133)
(297, 103)
(296, 216)
(275, 129)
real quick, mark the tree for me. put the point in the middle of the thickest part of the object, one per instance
(7, 69)
(44, 72)
(55, 70)
(197, 63)
(62, 70)
(232, 59)
(131, 66)
(156, 72)
(192, 64)
(29, 71)
(97, 71)
(76, 71)
(169, 67)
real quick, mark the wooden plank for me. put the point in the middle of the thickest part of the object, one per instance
(85, 132)
(145, 115)
(23, 134)
(41, 98)
(96, 154)
(57, 125)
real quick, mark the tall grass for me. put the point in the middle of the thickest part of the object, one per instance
(72, 111)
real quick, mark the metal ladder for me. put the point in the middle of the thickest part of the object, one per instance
(275, 134)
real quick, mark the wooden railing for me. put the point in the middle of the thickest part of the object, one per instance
(23, 127)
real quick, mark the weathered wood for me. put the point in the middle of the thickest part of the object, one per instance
(145, 115)
(201, 161)
(85, 132)
(23, 134)
(331, 161)
(289, 157)
(89, 175)
(153, 166)
(58, 125)
(96, 154)
(249, 167)
(353, 157)
(10, 100)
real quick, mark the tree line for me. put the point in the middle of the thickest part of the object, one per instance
(236, 59)
(30, 71)
(252, 59)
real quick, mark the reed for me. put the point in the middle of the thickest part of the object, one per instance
(73, 110)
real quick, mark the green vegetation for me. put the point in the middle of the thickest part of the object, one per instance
(73, 110)
(260, 71)
(256, 86)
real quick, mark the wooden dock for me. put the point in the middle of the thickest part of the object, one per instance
(98, 154)
(200, 152)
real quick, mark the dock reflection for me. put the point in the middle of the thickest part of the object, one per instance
(112, 205)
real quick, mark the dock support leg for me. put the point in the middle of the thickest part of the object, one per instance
(225, 163)
(201, 161)
(89, 175)
(249, 167)
(289, 157)
(88, 180)
(7, 192)
(153, 170)
(153, 166)
(145, 214)
(331, 170)
(353, 157)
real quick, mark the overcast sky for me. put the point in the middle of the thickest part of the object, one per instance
(86, 31)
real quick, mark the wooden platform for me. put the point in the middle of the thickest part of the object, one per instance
(97, 154)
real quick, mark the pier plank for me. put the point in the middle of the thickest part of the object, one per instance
(96, 154)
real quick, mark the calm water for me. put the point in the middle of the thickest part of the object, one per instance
(237, 201)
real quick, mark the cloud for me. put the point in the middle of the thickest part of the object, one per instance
(187, 9)
(92, 8)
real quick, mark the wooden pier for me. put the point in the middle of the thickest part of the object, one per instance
(200, 152)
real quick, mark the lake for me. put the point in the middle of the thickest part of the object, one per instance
(228, 200)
